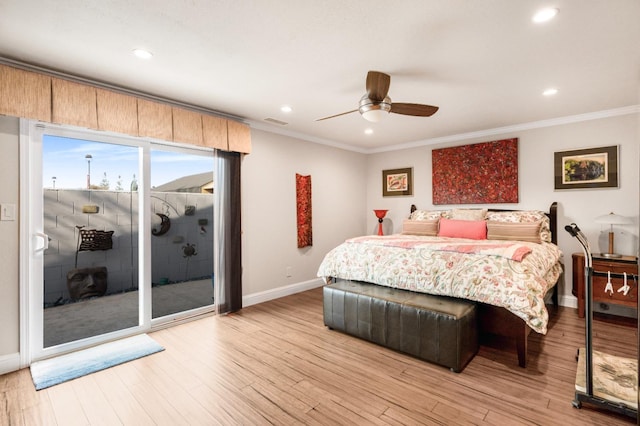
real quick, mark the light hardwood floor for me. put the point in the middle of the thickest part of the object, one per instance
(276, 363)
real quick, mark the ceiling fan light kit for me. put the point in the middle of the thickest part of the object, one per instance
(374, 111)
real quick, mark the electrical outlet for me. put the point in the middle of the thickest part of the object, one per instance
(288, 271)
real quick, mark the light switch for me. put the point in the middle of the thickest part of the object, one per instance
(7, 212)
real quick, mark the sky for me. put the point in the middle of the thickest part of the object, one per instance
(65, 160)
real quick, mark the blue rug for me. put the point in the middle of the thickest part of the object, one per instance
(53, 371)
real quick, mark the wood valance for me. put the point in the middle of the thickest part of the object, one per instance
(43, 97)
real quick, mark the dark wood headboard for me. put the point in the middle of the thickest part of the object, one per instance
(552, 214)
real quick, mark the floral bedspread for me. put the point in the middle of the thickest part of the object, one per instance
(508, 249)
(416, 263)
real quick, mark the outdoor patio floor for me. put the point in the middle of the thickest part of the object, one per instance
(99, 315)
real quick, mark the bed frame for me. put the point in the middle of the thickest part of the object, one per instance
(494, 320)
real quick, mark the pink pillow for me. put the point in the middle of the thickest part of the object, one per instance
(472, 229)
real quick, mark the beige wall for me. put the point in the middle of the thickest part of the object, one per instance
(536, 185)
(9, 190)
(338, 188)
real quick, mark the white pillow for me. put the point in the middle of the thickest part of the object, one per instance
(468, 214)
(427, 214)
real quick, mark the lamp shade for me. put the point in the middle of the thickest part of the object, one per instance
(613, 219)
(374, 115)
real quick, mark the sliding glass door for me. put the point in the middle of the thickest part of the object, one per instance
(182, 231)
(119, 233)
(90, 216)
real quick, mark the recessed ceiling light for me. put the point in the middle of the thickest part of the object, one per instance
(545, 15)
(286, 108)
(142, 54)
(550, 92)
(368, 131)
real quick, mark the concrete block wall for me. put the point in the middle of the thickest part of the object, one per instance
(168, 259)
(118, 212)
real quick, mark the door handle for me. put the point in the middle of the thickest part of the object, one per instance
(45, 239)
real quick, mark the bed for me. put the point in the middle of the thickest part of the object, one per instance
(507, 261)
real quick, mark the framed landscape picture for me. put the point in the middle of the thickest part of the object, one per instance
(586, 168)
(397, 182)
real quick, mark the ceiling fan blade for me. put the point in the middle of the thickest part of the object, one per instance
(377, 85)
(417, 110)
(337, 115)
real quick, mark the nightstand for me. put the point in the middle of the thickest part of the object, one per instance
(615, 303)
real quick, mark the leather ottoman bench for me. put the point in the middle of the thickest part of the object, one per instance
(438, 329)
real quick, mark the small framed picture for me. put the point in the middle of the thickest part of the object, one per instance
(586, 168)
(397, 182)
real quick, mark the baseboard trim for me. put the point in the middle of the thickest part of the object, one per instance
(9, 363)
(276, 293)
(265, 296)
(568, 301)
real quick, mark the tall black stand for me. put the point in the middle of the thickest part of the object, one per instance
(587, 396)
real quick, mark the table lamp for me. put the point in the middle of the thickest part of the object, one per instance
(380, 214)
(612, 219)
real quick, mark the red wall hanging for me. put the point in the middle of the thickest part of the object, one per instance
(303, 202)
(482, 173)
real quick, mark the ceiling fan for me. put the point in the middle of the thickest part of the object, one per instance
(375, 104)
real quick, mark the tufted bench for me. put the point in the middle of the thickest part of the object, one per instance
(438, 329)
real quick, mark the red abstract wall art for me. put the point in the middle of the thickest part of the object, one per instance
(482, 173)
(303, 202)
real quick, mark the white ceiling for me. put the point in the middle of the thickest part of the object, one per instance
(484, 63)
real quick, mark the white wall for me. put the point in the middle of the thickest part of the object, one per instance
(338, 188)
(536, 183)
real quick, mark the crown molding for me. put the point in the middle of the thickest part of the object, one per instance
(615, 112)
(270, 128)
(597, 115)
